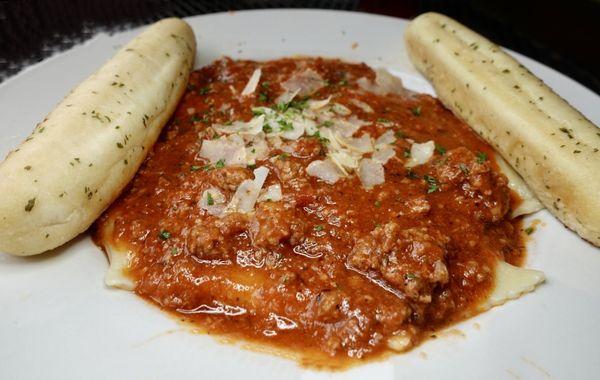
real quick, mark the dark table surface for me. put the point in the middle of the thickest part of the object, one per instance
(563, 35)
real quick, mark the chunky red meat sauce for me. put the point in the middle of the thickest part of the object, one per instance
(331, 270)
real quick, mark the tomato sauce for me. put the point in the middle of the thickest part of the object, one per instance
(332, 273)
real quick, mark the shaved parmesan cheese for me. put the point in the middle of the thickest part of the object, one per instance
(370, 173)
(212, 201)
(385, 83)
(252, 83)
(252, 127)
(271, 194)
(256, 149)
(383, 153)
(348, 127)
(247, 192)
(325, 170)
(317, 104)
(340, 109)
(511, 282)
(304, 83)
(386, 138)
(287, 97)
(362, 105)
(344, 161)
(420, 153)
(229, 149)
(362, 144)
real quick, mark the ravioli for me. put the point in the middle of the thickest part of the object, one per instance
(317, 207)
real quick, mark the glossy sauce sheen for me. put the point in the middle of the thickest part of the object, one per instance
(331, 272)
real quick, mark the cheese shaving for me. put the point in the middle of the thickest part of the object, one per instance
(420, 153)
(252, 83)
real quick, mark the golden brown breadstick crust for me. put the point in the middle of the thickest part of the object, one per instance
(78, 160)
(550, 144)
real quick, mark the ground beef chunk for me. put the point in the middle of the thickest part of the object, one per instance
(229, 178)
(412, 260)
(481, 187)
(274, 223)
(211, 240)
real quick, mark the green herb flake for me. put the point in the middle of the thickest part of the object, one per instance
(440, 149)
(529, 230)
(220, 164)
(382, 120)
(30, 204)
(209, 199)
(164, 234)
(195, 168)
(285, 125)
(267, 128)
(319, 227)
(432, 183)
(263, 97)
(204, 91)
(463, 168)
(377, 204)
(326, 123)
(406, 153)
(481, 157)
(416, 111)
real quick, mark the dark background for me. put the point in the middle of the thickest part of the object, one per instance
(564, 35)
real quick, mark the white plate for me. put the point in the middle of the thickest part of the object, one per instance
(59, 321)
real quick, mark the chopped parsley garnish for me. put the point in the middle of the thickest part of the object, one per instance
(382, 120)
(319, 227)
(406, 153)
(282, 107)
(343, 82)
(410, 276)
(432, 182)
(267, 128)
(298, 104)
(263, 97)
(194, 168)
(481, 157)
(265, 84)
(204, 91)
(284, 156)
(322, 140)
(194, 119)
(416, 111)
(285, 125)
(440, 149)
(463, 168)
(399, 134)
(326, 123)
(209, 199)
(220, 164)
(164, 234)
(377, 203)
(529, 230)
